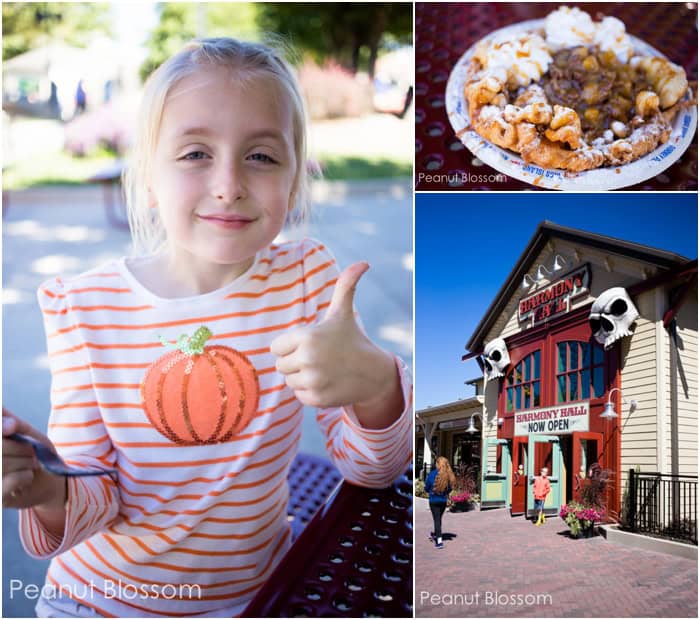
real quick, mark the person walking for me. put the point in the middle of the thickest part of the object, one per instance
(80, 98)
(541, 490)
(438, 484)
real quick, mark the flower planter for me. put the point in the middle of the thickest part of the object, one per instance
(462, 506)
(581, 518)
(584, 532)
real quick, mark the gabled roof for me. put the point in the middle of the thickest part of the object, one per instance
(546, 231)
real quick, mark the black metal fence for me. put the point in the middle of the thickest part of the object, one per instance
(662, 505)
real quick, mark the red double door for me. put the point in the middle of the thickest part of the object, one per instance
(550, 366)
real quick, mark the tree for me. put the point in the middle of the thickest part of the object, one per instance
(27, 25)
(177, 25)
(341, 30)
(181, 22)
(349, 32)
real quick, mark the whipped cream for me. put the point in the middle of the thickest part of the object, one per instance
(524, 59)
(568, 27)
(611, 36)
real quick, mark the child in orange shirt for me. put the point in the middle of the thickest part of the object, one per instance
(187, 367)
(541, 490)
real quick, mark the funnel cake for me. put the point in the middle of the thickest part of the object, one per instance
(573, 96)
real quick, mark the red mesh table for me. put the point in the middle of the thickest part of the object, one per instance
(353, 559)
(311, 480)
(444, 31)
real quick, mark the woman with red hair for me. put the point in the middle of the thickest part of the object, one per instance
(438, 484)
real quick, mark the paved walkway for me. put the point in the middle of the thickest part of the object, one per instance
(494, 555)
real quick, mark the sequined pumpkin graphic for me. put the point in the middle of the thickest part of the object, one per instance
(198, 395)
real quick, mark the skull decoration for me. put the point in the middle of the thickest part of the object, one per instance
(495, 358)
(612, 315)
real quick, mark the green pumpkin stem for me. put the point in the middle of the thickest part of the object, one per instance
(190, 345)
(195, 345)
(200, 337)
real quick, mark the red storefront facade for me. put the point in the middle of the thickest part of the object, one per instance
(571, 370)
(545, 408)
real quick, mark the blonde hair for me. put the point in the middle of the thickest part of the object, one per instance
(445, 475)
(248, 60)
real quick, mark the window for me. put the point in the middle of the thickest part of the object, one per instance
(580, 371)
(523, 384)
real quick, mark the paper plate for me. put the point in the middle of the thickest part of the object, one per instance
(510, 163)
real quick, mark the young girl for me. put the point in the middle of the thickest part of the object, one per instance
(438, 484)
(541, 488)
(186, 369)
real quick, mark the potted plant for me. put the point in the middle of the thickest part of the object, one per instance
(581, 519)
(419, 488)
(461, 501)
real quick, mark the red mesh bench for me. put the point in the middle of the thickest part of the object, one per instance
(353, 559)
(311, 480)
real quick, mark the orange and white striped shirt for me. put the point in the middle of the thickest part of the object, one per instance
(197, 519)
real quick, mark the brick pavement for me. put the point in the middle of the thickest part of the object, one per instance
(491, 552)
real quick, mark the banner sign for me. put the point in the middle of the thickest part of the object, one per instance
(556, 298)
(553, 420)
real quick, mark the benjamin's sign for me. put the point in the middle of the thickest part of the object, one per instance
(556, 298)
(553, 420)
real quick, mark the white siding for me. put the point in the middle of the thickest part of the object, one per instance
(638, 382)
(687, 436)
(490, 425)
(623, 272)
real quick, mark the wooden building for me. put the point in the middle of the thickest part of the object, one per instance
(589, 352)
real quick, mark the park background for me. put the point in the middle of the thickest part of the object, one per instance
(355, 66)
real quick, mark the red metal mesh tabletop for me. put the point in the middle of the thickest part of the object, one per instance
(354, 559)
(444, 31)
(311, 480)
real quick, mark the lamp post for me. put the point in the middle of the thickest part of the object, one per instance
(609, 412)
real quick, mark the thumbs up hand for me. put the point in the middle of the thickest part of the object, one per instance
(334, 363)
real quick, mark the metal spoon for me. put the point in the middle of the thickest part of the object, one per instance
(53, 463)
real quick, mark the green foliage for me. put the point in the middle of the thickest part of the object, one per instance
(351, 33)
(419, 488)
(54, 168)
(625, 509)
(182, 22)
(176, 27)
(341, 30)
(27, 25)
(339, 167)
(579, 517)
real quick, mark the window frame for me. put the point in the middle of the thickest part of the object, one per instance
(596, 369)
(536, 358)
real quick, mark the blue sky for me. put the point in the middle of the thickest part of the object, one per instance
(467, 244)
